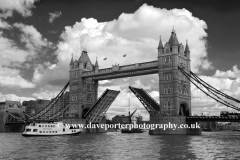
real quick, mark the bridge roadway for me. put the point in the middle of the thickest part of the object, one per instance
(213, 118)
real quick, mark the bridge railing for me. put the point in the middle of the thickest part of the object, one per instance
(122, 68)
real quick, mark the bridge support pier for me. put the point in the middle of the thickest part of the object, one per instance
(173, 125)
(12, 128)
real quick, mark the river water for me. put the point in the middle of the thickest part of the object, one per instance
(118, 146)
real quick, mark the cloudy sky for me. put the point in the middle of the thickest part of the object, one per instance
(38, 37)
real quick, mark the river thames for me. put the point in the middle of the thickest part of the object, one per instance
(115, 145)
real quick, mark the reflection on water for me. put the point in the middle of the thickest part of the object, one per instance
(175, 147)
(115, 145)
(216, 145)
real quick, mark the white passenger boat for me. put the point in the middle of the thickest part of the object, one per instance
(50, 129)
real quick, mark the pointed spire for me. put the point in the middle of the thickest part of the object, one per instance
(160, 46)
(173, 41)
(96, 64)
(80, 59)
(186, 48)
(71, 60)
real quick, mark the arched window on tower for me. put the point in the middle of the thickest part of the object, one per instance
(88, 97)
(75, 65)
(167, 50)
(88, 87)
(84, 97)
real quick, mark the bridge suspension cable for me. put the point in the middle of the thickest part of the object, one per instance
(37, 116)
(212, 88)
(59, 112)
(195, 79)
(16, 117)
(50, 105)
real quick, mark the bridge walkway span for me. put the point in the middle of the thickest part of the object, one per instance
(148, 102)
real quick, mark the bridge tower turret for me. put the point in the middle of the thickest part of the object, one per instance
(160, 48)
(83, 91)
(96, 66)
(174, 88)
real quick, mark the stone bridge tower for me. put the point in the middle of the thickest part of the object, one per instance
(174, 88)
(83, 92)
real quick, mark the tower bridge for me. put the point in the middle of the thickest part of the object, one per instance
(174, 89)
(174, 70)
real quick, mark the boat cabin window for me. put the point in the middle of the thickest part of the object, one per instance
(55, 131)
(40, 131)
(48, 125)
(43, 131)
(39, 125)
(28, 130)
(34, 130)
(46, 131)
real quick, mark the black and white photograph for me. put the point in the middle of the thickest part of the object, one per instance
(119, 79)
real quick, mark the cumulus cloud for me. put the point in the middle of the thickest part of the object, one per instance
(23, 7)
(134, 34)
(15, 81)
(104, 81)
(10, 52)
(54, 15)
(234, 73)
(11, 78)
(4, 25)
(33, 39)
(45, 94)
(13, 97)
(12, 55)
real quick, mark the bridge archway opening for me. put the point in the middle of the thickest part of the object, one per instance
(183, 110)
(11, 118)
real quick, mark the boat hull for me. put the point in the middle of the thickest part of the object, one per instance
(31, 135)
(131, 131)
(50, 129)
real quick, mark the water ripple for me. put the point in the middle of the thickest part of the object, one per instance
(118, 146)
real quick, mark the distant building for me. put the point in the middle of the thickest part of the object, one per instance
(62, 102)
(10, 105)
(120, 119)
(139, 120)
(33, 107)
